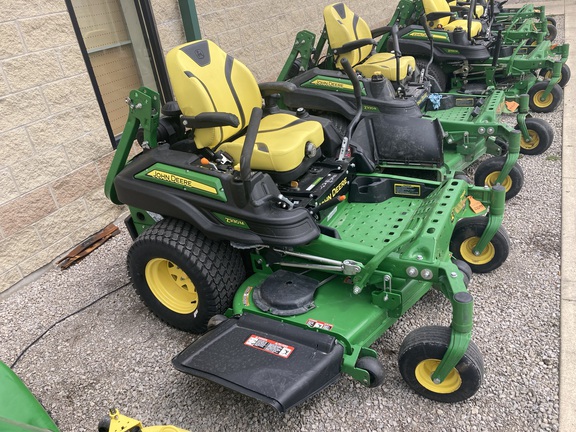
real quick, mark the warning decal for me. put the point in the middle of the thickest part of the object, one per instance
(270, 346)
(318, 324)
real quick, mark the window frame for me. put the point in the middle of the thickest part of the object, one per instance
(153, 46)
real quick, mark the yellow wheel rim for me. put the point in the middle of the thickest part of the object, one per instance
(493, 176)
(424, 372)
(533, 143)
(542, 103)
(467, 252)
(548, 75)
(171, 286)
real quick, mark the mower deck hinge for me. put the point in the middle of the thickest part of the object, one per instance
(387, 286)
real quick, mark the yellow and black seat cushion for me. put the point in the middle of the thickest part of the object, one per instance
(344, 26)
(207, 80)
(447, 23)
(478, 10)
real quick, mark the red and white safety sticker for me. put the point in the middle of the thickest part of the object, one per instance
(270, 346)
(312, 323)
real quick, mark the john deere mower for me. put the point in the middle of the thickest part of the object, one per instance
(272, 232)
(464, 63)
(400, 98)
(498, 15)
(530, 24)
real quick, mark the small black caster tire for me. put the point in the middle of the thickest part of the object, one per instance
(374, 369)
(541, 137)
(565, 74)
(419, 356)
(466, 235)
(552, 32)
(488, 172)
(550, 103)
(465, 269)
(215, 321)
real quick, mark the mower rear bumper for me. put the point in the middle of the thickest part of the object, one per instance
(276, 363)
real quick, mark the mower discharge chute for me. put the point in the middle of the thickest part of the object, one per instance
(263, 227)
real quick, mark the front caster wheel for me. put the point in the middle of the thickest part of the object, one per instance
(565, 74)
(419, 356)
(552, 32)
(182, 276)
(374, 369)
(489, 170)
(540, 135)
(466, 236)
(549, 103)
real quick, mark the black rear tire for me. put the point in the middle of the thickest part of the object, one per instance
(435, 73)
(182, 276)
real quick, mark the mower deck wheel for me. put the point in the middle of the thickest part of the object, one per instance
(488, 172)
(419, 356)
(551, 20)
(466, 236)
(465, 269)
(541, 137)
(182, 276)
(374, 369)
(550, 103)
(565, 74)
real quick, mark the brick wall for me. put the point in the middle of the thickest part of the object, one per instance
(261, 33)
(55, 149)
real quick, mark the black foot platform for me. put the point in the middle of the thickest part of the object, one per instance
(277, 363)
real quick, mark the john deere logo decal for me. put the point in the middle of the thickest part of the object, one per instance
(334, 84)
(189, 180)
(182, 181)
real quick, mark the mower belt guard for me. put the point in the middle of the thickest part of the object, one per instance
(276, 363)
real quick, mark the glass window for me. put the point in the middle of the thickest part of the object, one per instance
(116, 50)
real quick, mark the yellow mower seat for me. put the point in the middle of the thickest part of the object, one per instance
(207, 80)
(344, 26)
(278, 143)
(478, 10)
(447, 23)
